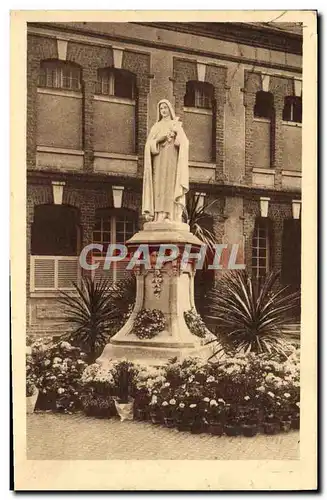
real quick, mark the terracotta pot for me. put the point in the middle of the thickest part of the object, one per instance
(271, 427)
(183, 425)
(140, 414)
(216, 429)
(295, 423)
(169, 422)
(250, 430)
(155, 417)
(31, 402)
(285, 425)
(232, 429)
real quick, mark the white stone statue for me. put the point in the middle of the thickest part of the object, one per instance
(166, 171)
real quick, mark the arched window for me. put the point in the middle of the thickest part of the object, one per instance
(113, 226)
(292, 111)
(60, 75)
(261, 249)
(264, 105)
(118, 83)
(199, 95)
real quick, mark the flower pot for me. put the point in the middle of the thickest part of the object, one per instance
(155, 417)
(216, 428)
(125, 410)
(285, 425)
(271, 427)
(232, 429)
(249, 430)
(183, 425)
(140, 414)
(31, 402)
(295, 423)
(169, 422)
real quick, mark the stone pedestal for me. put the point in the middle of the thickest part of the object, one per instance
(176, 296)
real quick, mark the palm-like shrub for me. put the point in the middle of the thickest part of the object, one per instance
(251, 318)
(97, 311)
(91, 312)
(195, 216)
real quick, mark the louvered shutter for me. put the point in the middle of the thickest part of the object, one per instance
(44, 273)
(68, 272)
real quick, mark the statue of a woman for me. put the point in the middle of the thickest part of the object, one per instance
(166, 176)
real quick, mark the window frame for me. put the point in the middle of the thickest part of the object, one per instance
(197, 93)
(293, 105)
(261, 226)
(259, 104)
(108, 76)
(52, 75)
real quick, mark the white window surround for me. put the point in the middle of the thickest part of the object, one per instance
(54, 275)
(292, 124)
(63, 151)
(199, 111)
(111, 98)
(60, 92)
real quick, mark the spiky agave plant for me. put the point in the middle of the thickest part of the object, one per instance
(91, 312)
(251, 318)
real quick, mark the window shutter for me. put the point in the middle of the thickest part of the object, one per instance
(44, 274)
(68, 272)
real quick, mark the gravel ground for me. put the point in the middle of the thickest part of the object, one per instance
(76, 437)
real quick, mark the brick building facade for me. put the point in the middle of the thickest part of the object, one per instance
(92, 90)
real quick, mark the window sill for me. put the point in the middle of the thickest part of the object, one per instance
(262, 120)
(198, 111)
(270, 171)
(115, 156)
(202, 164)
(292, 173)
(292, 124)
(60, 92)
(47, 294)
(113, 99)
(63, 151)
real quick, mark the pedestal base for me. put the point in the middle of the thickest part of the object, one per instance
(151, 356)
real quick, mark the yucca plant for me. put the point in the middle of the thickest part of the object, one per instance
(251, 318)
(91, 313)
(195, 216)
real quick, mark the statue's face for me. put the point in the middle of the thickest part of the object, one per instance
(164, 110)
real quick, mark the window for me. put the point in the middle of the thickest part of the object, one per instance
(264, 105)
(55, 231)
(291, 252)
(292, 111)
(260, 250)
(113, 228)
(198, 95)
(118, 83)
(60, 75)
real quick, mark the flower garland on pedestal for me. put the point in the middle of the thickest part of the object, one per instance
(148, 323)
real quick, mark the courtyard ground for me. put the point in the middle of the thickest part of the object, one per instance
(77, 437)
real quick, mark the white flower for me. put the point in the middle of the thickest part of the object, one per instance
(166, 384)
(213, 402)
(206, 400)
(60, 390)
(181, 405)
(191, 378)
(172, 402)
(65, 345)
(57, 360)
(298, 404)
(246, 398)
(210, 378)
(221, 401)
(165, 403)
(287, 395)
(154, 400)
(261, 388)
(271, 394)
(193, 405)
(47, 362)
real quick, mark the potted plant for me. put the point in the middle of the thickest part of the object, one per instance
(216, 417)
(182, 418)
(155, 411)
(250, 422)
(232, 425)
(271, 424)
(169, 412)
(124, 374)
(32, 393)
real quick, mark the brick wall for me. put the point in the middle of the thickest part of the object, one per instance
(279, 87)
(90, 58)
(186, 70)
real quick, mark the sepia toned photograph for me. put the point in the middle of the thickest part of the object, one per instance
(164, 234)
